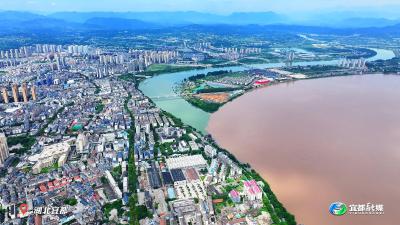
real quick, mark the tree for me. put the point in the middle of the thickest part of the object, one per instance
(71, 201)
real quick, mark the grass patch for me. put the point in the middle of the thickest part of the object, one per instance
(165, 148)
(50, 168)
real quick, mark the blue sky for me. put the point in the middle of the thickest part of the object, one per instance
(214, 6)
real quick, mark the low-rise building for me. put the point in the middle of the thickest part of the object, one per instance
(252, 190)
(51, 154)
(195, 161)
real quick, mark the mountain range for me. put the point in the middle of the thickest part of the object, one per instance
(177, 18)
(14, 21)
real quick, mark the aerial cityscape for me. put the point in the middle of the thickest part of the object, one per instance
(180, 112)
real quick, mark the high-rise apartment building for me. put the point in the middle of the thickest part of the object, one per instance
(15, 92)
(4, 152)
(33, 92)
(4, 94)
(25, 92)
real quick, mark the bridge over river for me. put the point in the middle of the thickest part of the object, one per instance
(165, 97)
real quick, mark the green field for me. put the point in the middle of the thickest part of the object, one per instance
(156, 69)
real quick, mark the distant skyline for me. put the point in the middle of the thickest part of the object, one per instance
(382, 7)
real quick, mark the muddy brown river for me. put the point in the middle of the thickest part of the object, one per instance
(321, 141)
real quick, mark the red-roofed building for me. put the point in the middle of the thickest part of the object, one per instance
(234, 195)
(252, 190)
(50, 185)
(261, 82)
(191, 174)
(163, 221)
(77, 178)
(56, 183)
(216, 201)
(42, 188)
(96, 196)
(64, 182)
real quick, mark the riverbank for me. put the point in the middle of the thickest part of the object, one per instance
(278, 213)
(211, 91)
(161, 88)
(267, 203)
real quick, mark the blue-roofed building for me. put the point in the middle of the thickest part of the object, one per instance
(167, 178)
(120, 156)
(84, 202)
(125, 199)
(178, 176)
(213, 167)
(171, 193)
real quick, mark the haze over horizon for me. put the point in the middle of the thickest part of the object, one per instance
(153, 14)
(370, 8)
